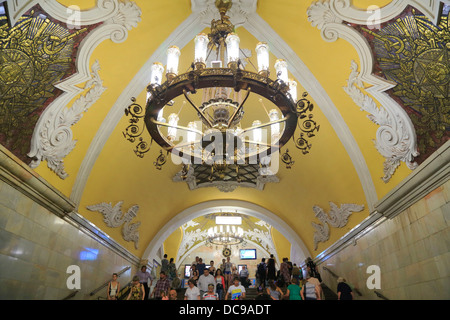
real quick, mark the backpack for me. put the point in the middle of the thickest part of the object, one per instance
(261, 268)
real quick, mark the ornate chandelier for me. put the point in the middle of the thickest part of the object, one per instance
(225, 236)
(216, 136)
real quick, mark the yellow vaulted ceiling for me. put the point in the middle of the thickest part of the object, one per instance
(325, 175)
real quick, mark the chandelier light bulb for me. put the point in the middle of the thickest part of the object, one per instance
(282, 72)
(173, 58)
(201, 48)
(257, 133)
(262, 53)
(191, 136)
(232, 42)
(173, 122)
(156, 73)
(293, 89)
(274, 116)
(161, 116)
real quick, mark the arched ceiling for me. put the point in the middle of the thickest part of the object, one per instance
(344, 165)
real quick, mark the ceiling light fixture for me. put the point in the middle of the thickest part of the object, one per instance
(215, 136)
(225, 235)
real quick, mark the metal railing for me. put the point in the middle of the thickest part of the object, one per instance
(336, 276)
(71, 295)
(379, 294)
(106, 283)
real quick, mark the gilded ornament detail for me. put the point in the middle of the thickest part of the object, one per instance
(414, 53)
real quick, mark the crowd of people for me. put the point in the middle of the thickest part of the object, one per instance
(226, 282)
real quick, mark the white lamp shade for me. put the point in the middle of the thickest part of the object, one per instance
(232, 42)
(262, 54)
(191, 136)
(273, 115)
(201, 47)
(173, 58)
(257, 133)
(173, 121)
(281, 68)
(293, 89)
(156, 73)
(161, 115)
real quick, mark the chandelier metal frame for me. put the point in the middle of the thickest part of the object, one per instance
(234, 76)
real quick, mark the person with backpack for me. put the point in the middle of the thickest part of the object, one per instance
(261, 272)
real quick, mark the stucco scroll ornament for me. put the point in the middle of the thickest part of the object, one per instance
(53, 138)
(190, 238)
(393, 138)
(55, 135)
(396, 137)
(337, 218)
(115, 218)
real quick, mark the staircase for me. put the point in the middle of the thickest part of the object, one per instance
(328, 293)
(251, 293)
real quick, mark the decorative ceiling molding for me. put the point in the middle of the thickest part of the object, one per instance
(334, 10)
(105, 9)
(194, 24)
(243, 207)
(54, 124)
(54, 140)
(400, 143)
(249, 177)
(238, 13)
(261, 30)
(337, 218)
(393, 137)
(115, 218)
(193, 237)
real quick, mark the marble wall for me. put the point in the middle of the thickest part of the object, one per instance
(412, 251)
(37, 247)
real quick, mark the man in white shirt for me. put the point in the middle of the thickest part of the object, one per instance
(244, 276)
(204, 280)
(236, 291)
(192, 292)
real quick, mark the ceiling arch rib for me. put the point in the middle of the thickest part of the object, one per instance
(243, 207)
(48, 124)
(396, 137)
(344, 8)
(250, 20)
(262, 30)
(105, 9)
(181, 36)
(257, 233)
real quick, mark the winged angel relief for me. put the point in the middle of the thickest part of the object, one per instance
(114, 218)
(337, 218)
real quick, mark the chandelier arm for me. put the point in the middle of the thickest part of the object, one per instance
(179, 146)
(163, 124)
(265, 124)
(236, 112)
(198, 109)
(261, 143)
(248, 59)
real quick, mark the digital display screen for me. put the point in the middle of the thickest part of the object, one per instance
(247, 254)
